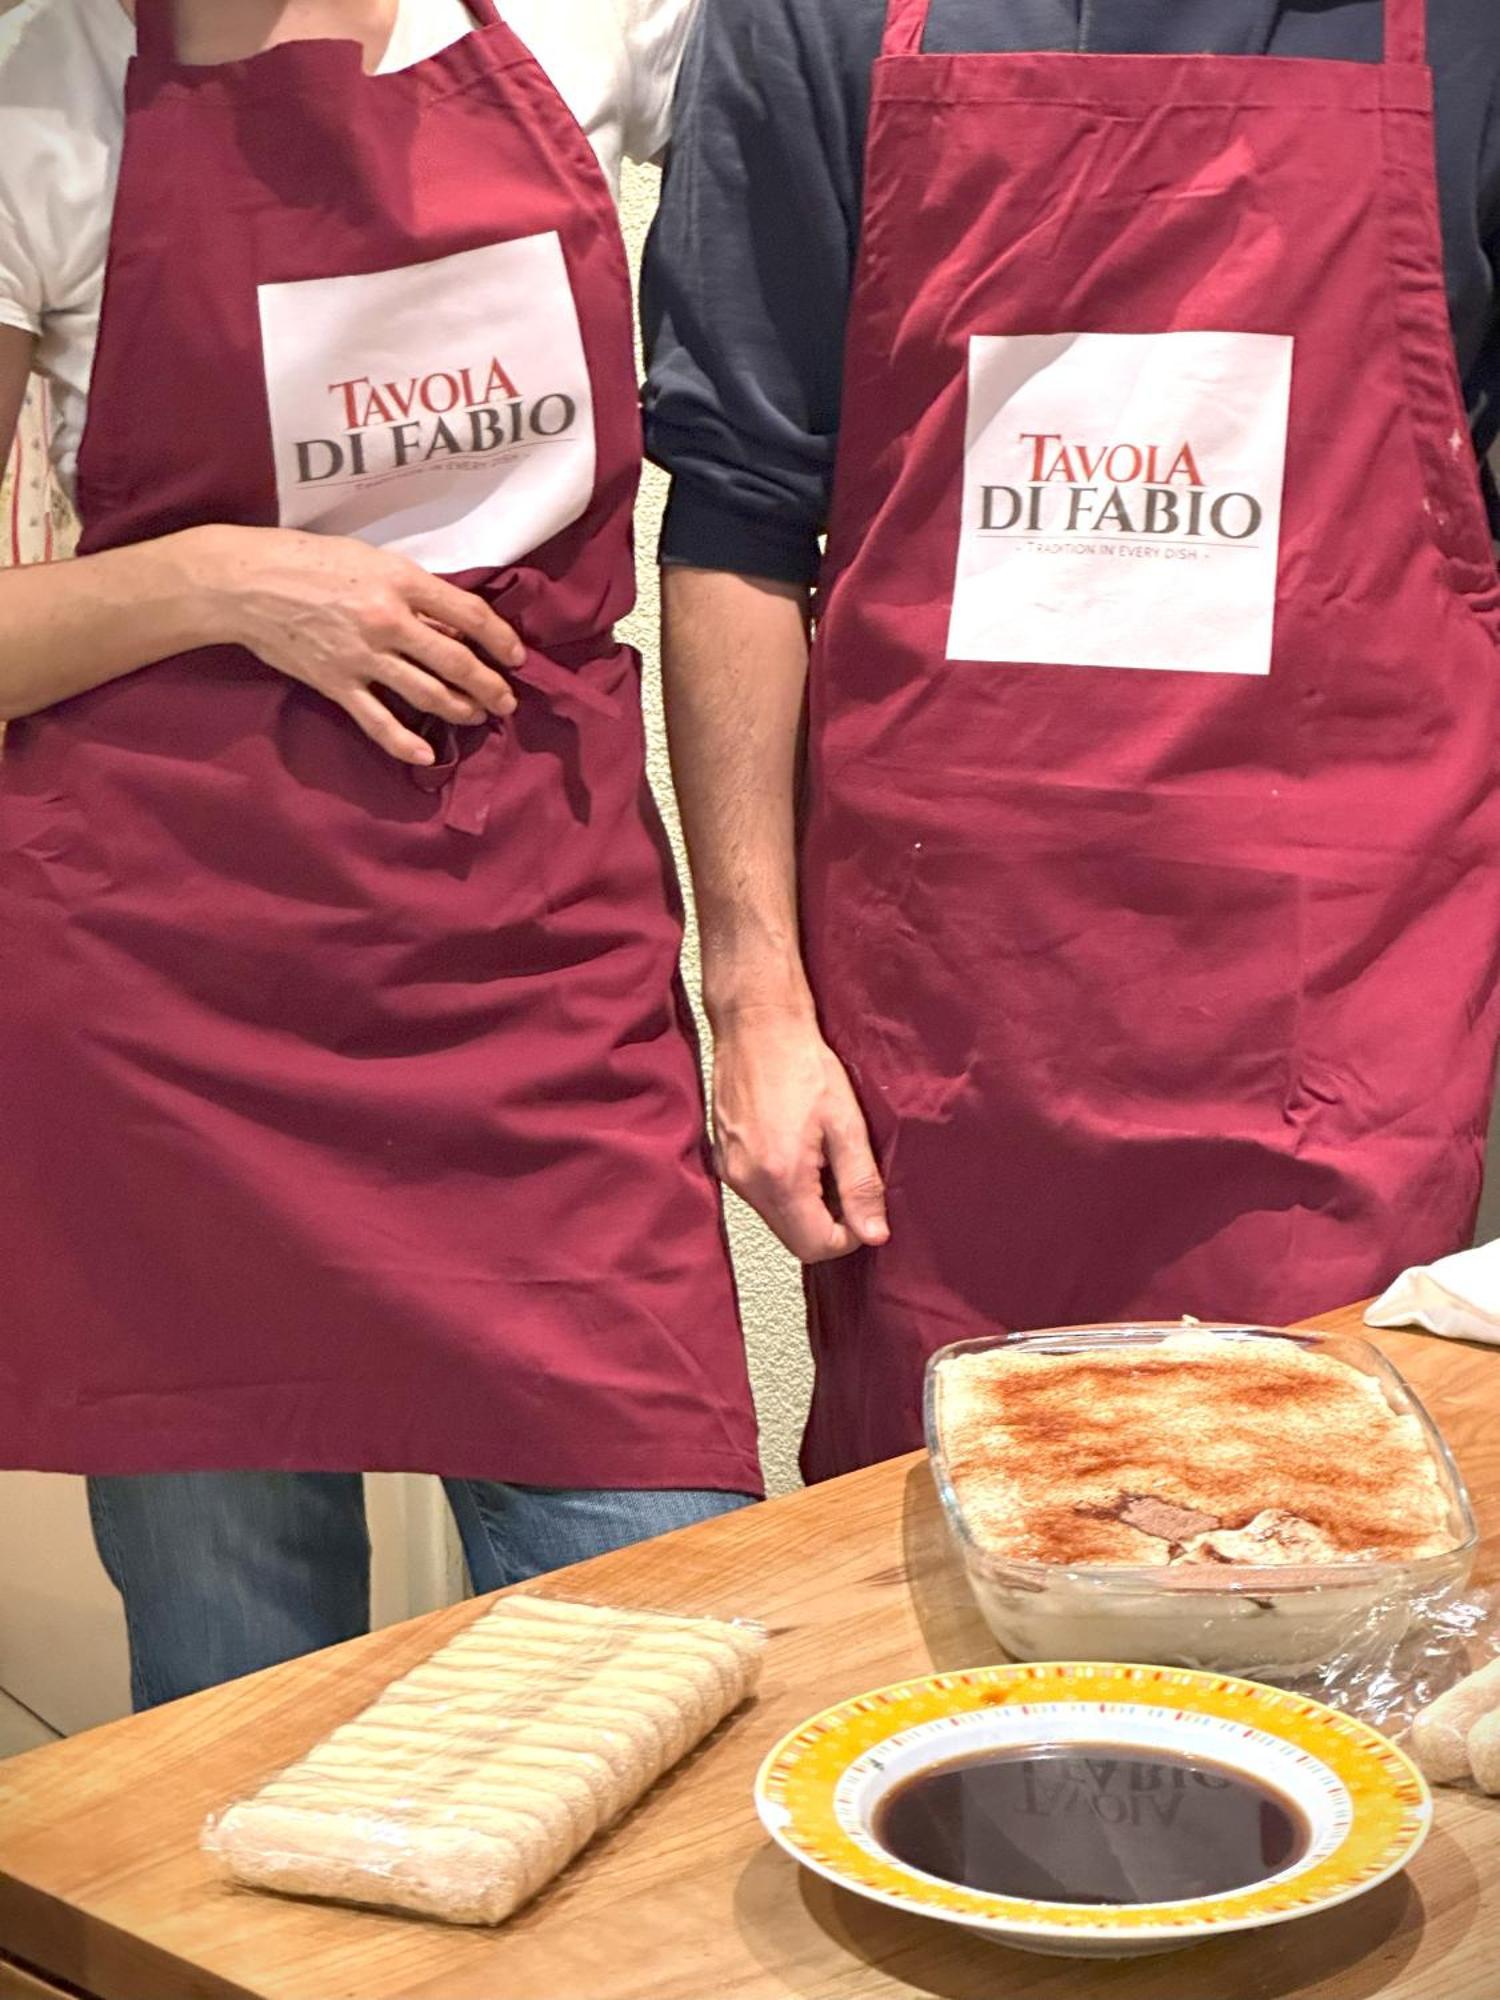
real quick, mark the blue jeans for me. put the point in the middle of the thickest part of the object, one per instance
(223, 1573)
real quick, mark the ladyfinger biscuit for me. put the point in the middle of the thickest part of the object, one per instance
(711, 1657)
(533, 1817)
(746, 1642)
(682, 1692)
(1439, 1735)
(578, 1777)
(451, 1873)
(1484, 1751)
(742, 1644)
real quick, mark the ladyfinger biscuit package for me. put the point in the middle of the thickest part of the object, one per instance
(476, 1778)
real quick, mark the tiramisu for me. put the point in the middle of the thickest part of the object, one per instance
(1192, 1450)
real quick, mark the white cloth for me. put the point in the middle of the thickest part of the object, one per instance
(62, 116)
(1458, 1296)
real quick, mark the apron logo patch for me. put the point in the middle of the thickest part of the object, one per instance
(1117, 489)
(1122, 500)
(450, 414)
(442, 410)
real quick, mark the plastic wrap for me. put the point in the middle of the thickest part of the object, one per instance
(476, 1778)
(1401, 1655)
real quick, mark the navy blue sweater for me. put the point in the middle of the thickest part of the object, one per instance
(749, 267)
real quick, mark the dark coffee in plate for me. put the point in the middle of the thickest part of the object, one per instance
(1091, 1824)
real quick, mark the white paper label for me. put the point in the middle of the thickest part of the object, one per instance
(1122, 500)
(442, 410)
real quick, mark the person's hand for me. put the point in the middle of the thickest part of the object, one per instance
(349, 620)
(791, 1139)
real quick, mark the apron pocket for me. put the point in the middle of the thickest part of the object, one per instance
(1113, 993)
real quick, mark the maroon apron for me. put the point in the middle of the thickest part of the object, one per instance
(1151, 860)
(351, 1112)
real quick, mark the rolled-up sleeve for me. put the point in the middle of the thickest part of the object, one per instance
(20, 280)
(747, 279)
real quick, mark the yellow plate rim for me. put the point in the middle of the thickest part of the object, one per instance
(1391, 1819)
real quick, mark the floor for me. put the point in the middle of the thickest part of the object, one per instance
(62, 1637)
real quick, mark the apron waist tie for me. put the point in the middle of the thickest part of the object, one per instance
(466, 770)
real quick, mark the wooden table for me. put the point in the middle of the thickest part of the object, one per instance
(103, 1890)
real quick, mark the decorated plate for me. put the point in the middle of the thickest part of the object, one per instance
(1115, 1735)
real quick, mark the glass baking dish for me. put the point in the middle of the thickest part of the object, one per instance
(1275, 1622)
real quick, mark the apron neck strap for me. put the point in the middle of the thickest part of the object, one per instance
(156, 36)
(905, 24)
(155, 33)
(1406, 31)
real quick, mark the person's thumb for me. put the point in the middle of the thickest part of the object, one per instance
(861, 1191)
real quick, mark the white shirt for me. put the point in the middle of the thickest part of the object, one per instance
(62, 94)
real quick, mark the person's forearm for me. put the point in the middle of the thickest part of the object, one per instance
(70, 626)
(735, 674)
(353, 622)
